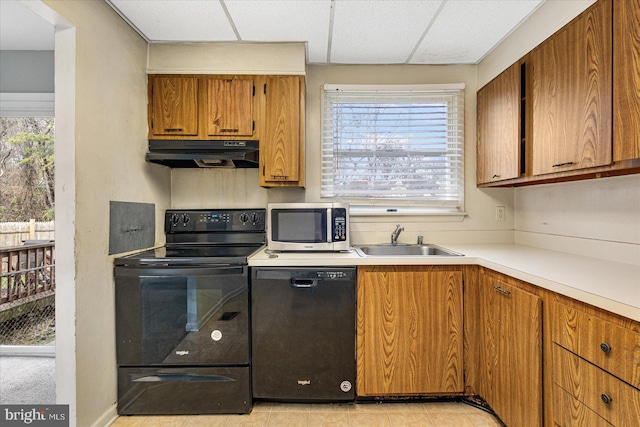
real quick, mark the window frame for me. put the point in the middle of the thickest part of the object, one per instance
(408, 206)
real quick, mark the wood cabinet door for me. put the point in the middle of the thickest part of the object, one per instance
(280, 145)
(499, 127)
(230, 107)
(571, 90)
(626, 79)
(511, 352)
(409, 330)
(174, 106)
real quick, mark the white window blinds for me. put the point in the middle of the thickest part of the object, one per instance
(394, 143)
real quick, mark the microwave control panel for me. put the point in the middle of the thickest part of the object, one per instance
(339, 219)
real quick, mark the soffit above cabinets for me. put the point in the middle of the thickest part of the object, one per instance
(339, 31)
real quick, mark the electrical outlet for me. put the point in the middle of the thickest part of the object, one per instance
(500, 213)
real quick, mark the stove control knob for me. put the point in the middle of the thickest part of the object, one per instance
(185, 219)
(175, 218)
(255, 218)
(244, 217)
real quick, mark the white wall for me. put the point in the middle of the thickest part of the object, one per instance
(101, 126)
(599, 218)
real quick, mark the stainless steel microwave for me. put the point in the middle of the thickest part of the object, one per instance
(308, 227)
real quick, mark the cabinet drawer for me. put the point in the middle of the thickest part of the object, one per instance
(570, 412)
(611, 347)
(612, 399)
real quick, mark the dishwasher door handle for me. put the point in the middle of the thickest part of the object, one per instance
(303, 283)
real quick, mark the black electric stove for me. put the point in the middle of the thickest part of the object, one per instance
(182, 316)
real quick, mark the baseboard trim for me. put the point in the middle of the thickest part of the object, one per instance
(107, 418)
(28, 350)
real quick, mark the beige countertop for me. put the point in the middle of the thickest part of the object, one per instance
(613, 286)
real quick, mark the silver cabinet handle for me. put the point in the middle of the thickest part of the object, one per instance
(499, 289)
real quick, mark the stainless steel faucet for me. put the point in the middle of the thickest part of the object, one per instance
(395, 234)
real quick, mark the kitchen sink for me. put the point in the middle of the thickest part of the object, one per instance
(389, 250)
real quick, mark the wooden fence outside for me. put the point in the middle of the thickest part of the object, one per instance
(15, 233)
(27, 276)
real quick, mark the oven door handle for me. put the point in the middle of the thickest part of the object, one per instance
(169, 377)
(173, 271)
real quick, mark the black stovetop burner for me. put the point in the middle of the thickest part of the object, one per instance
(206, 237)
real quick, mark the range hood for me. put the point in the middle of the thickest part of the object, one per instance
(204, 154)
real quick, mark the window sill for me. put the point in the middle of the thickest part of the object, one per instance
(425, 214)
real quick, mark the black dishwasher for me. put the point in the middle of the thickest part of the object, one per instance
(303, 333)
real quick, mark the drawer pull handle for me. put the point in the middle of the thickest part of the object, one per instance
(562, 164)
(606, 399)
(605, 347)
(173, 129)
(504, 291)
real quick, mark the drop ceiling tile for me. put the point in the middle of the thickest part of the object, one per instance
(284, 21)
(383, 32)
(173, 20)
(466, 30)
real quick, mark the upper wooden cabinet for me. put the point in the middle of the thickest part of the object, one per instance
(269, 109)
(282, 148)
(510, 352)
(409, 330)
(230, 107)
(571, 89)
(582, 104)
(201, 107)
(499, 127)
(626, 79)
(173, 106)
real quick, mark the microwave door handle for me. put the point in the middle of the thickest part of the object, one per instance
(330, 225)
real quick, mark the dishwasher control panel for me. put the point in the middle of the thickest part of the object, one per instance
(329, 274)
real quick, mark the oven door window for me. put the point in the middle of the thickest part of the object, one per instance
(200, 316)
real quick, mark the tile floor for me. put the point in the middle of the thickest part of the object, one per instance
(422, 414)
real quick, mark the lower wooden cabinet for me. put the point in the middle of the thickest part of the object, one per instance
(596, 366)
(409, 330)
(536, 357)
(614, 348)
(570, 412)
(612, 399)
(510, 377)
